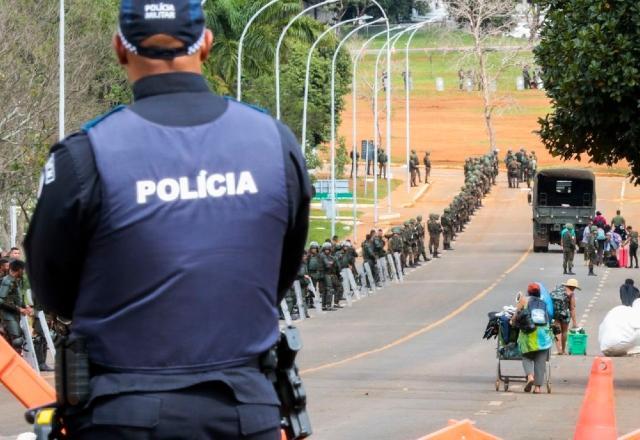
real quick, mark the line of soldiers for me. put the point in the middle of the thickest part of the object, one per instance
(521, 167)
(322, 265)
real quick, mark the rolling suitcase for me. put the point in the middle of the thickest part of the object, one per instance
(623, 257)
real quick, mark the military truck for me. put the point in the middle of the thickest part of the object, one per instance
(561, 196)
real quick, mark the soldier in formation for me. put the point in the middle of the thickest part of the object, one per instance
(435, 229)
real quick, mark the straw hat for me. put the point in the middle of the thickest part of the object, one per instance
(572, 283)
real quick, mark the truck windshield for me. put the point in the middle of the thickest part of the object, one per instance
(564, 192)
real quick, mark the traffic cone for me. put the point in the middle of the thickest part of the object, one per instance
(597, 419)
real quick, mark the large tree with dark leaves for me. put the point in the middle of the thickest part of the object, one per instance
(590, 54)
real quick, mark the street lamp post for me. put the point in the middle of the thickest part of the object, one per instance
(375, 180)
(241, 45)
(61, 79)
(279, 46)
(354, 106)
(333, 117)
(376, 131)
(305, 104)
(413, 29)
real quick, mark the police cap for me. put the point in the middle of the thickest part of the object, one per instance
(181, 19)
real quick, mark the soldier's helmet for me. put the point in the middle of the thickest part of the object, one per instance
(314, 244)
(326, 246)
(419, 218)
(569, 226)
(346, 244)
(412, 221)
(447, 210)
(339, 246)
(407, 223)
(436, 216)
(428, 153)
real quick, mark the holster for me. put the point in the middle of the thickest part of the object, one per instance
(280, 367)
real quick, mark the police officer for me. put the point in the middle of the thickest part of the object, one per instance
(174, 338)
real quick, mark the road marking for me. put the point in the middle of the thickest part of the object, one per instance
(586, 315)
(495, 403)
(424, 329)
(482, 413)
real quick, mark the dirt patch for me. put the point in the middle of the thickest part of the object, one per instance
(451, 125)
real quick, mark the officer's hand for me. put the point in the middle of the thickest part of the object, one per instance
(29, 311)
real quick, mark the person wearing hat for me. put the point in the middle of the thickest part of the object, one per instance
(568, 241)
(174, 340)
(567, 314)
(534, 338)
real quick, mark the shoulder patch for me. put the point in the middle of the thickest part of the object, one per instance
(254, 107)
(92, 123)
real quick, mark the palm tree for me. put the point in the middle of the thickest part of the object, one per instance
(227, 19)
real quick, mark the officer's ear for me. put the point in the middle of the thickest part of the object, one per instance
(205, 50)
(120, 50)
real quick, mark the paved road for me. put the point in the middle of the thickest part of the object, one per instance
(399, 364)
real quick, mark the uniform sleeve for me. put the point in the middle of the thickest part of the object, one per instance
(299, 198)
(64, 220)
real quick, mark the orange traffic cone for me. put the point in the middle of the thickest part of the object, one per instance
(21, 380)
(597, 420)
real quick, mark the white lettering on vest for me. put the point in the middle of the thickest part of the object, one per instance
(168, 190)
(203, 186)
(246, 184)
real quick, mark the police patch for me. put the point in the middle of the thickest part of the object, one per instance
(50, 170)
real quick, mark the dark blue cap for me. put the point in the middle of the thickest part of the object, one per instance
(181, 19)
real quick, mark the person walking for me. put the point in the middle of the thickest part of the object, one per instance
(568, 241)
(632, 241)
(628, 293)
(564, 304)
(534, 338)
(591, 249)
(174, 339)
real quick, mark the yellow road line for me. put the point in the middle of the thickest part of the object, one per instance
(425, 329)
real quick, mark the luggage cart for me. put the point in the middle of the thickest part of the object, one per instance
(509, 351)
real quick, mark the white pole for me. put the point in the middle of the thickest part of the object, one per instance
(333, 118)
(375, 181)
(61, 79)
(376, 127)
(279, 46)
(355, 88)
(13, 220)
(305, 104)
(241, 44)
(407, 69)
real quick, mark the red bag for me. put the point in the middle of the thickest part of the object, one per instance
(623, 257)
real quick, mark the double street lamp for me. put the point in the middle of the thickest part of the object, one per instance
(305, 104)
(333, 119)
(241, 45)
(279, 46)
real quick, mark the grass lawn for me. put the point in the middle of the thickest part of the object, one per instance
(320, 230)
(368, 198)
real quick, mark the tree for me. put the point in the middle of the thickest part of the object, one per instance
(485, 20)
(590, 55)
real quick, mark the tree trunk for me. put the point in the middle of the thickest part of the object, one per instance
(487, 99)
